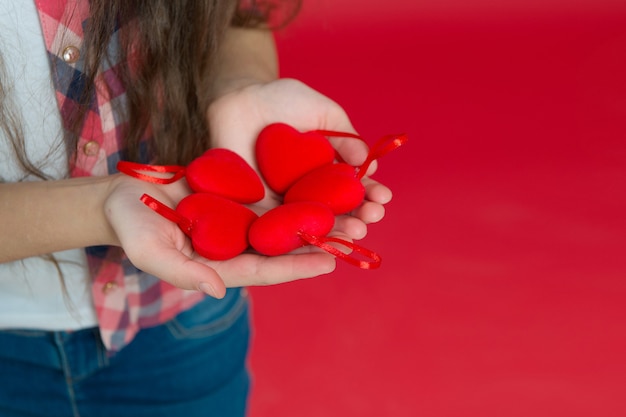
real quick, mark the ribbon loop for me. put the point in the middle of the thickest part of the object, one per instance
(132, 169)
(381, 148)
(338, 134)
(322, 243)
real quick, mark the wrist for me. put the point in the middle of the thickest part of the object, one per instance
(108, 189)
(226, 86)
(52, 216)
(246, 57)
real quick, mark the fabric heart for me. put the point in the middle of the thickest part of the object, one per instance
(284, 154)
(339, 185)
(218, 227)
(278, 231)
(223, 172)
(334, 185)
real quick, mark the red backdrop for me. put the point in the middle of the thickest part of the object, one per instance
(503, 285)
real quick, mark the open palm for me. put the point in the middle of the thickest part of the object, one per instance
(158, 246)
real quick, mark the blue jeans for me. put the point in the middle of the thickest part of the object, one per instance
(193, 365)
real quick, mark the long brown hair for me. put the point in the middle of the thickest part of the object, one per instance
(167, 49)
(167, 52)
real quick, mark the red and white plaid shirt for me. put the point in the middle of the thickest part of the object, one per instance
(126, 299)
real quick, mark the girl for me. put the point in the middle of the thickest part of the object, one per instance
(105, 309)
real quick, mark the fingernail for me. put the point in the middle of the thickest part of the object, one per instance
(207, 288)
(387, 197)
(330, 267)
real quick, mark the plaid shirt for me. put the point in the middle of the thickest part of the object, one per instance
(126, 299)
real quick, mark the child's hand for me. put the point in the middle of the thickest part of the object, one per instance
(159, 247)
(236, 119)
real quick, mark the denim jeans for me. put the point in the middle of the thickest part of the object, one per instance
(193, 365)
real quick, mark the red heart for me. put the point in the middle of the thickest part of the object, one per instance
(284, 154)
(278, 230)
(219, 227)
(335, 186)
(225, 173)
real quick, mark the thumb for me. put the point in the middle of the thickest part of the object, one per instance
(182, 271)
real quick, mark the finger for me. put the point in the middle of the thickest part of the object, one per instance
(353, 227)
(376, 192)
(352, 151)
(179, 267)
(252, 269)
(369, 212)
(372, 168)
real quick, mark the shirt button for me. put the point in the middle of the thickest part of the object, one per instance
(91, 148)
(109, 286)
(70, 54)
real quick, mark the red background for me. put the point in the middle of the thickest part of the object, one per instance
(503, 285)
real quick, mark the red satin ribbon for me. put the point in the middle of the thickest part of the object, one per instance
(185, 224)
(382, 147)
(132, 169)
(322, 243)
(338, 134)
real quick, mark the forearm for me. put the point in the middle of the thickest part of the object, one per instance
(246, 56)
(48, 216)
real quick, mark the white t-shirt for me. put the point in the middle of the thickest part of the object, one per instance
(31, 293)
